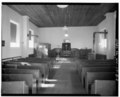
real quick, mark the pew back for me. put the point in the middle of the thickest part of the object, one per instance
(43, 67)
(95, 69)
(21, 71)
(91, 65)
(94, 63)
(28, 78)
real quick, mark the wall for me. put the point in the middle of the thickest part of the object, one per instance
(80, 37)
(109, 25)
(7, 15)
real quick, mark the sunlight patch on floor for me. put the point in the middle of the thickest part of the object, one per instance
(51, 80)
(43, 85)
(56, 66)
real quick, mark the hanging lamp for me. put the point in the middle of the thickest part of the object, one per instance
(62, 6)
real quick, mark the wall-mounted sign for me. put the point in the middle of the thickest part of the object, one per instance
(3, 42)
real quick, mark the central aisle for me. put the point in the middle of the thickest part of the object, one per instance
(65, 80)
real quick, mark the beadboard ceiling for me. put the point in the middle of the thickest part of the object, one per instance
(77, 14)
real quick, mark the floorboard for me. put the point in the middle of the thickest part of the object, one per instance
(65, 79)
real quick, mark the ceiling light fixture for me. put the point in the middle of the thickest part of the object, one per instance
(62, 6)
(65, 28)
(66, 35)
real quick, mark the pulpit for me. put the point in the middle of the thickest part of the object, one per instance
(66, 46)
(66, 50)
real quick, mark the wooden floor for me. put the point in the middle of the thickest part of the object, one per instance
(64, 79)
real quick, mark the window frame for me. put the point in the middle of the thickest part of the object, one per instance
(17, 42)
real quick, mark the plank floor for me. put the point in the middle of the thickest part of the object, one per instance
(64, 79)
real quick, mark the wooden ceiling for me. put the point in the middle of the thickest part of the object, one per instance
(77, 14)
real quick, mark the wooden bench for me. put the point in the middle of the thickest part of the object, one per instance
(14, 87)
(44, 71)
(94, 69)
(84, 60)
(104, 87)
(94, 62)
(15, 66)
(102, 61)
(92, 76)
(44, 68)
(34, 72)
(49, 62)
(94, 65)
(28, 78)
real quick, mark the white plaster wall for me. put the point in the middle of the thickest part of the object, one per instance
(7, 14)
(80, 37)
(109, 25)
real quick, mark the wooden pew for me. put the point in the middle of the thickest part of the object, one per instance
(104, 87)
(34, 72)
(44, 67)
(94, 69)
(15, 66)
(94, 65)
(102, 61)
(28, 78)
(91, 76)
(43, 72)
(48, 61)
(84, 60)
(95, 62)
(14, 87)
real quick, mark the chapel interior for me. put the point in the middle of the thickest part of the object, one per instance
(59, 49)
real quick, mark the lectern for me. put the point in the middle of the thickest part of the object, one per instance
(66, 46)
(66, 50)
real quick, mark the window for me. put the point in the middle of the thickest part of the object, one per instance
(13, 31)
(14, 35)
(31, 39)
(103, 41)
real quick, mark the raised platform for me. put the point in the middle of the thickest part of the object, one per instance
(66, 53)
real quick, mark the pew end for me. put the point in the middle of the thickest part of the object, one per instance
(104, 87)
(94, 69)
(28, 78)
(92, 76)
(14, 87)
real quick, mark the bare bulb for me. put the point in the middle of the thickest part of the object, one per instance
(66, 35)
